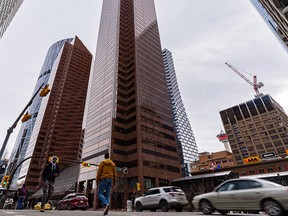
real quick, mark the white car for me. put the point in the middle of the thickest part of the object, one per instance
(162, 198)
(245, 194)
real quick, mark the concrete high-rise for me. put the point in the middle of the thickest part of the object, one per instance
(129, 112)
(256, 128)
(187, 147)
(275, 15)
(8, 9)
(56, 124)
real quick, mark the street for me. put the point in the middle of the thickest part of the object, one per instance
(100, 213)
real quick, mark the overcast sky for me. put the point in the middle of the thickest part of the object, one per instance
(202, 36)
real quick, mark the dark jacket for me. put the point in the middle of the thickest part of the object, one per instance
(50, 172)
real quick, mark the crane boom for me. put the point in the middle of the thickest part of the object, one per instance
(255, 85)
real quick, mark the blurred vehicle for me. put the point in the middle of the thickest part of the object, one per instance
(46, 207)
(252, 195)
(162, 198)
(73, 201)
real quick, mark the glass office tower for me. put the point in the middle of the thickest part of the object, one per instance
(275, 15)
(56, 124)
(8, 9)
(23, 138)
(187, 147)
(129, 112)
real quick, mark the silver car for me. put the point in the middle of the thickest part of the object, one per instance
(162, 198)
(250, 195)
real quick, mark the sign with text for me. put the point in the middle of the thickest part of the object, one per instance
(268, 155)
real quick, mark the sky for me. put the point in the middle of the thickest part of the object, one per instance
(202, 36)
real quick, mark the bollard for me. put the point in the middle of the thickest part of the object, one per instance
(129, 206)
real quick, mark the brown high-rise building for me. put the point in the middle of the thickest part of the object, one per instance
(129, 112)
(57, 128)
(256, 130)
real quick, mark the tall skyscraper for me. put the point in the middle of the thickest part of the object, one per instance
(22, 141)
(275, 15)
(256, 128)
(56, 124)
(129, 112)
(8, 9)
(187, 148)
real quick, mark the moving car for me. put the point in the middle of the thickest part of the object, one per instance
(162, 198)
(73, 201)
(46, 207)
(252, 195)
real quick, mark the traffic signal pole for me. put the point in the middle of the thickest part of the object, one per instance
(10, 129)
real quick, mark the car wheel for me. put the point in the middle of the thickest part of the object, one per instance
(179, 209)
(139, 207)
(164, 206)
(272, 208)
(206, 207)
(223, 212)
(69, 207)
(59, 207)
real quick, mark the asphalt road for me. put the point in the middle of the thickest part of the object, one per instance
(100, 213)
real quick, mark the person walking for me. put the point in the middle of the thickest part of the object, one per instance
(106, 177)
(49, 175)
(22, 194)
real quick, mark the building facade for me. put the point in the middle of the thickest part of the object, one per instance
(8, 9)
(129, 113)
(256, 129)
(275, 15)
(187, 147)
(57, 127)
(20, 147)
(213, 161)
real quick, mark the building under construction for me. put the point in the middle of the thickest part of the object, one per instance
(257, 130)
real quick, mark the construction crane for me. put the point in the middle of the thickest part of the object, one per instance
(256, 86)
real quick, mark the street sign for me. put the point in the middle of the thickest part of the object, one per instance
(268, 155)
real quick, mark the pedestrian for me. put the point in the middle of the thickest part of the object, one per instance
(106, 177)
(15, 198)
(23, 192)
(49, 174)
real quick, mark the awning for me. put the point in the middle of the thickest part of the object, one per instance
(208, 175)
(68, 177)
(266, 175)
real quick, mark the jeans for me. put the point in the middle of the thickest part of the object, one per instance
(20, 202)
(104, 189)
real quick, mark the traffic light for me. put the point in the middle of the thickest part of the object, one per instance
(26, 117)
(118, 169)
(125, 170)
(86, 164)
(254, 159)
(5, 180)
(45, 91)
(138, 186)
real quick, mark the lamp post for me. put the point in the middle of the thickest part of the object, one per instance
(10, 129)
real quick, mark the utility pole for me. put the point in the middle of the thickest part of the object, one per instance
(10, 129)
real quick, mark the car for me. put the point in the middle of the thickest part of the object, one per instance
(162, 198)
(244, 194)
(73, 201)
(46, 207)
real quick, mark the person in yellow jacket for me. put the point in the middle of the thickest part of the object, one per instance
(106, 177)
